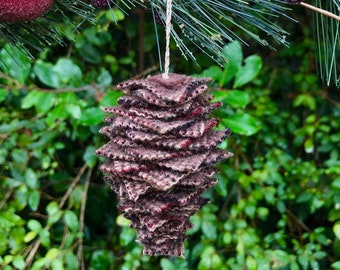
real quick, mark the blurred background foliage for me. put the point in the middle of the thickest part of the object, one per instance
(277, 202)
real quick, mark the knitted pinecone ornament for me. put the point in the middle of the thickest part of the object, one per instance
(23, 10)
(160, 156)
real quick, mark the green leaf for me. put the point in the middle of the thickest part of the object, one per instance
(243, 124)
(44, 236)
(209, 229)
(237, 98)
(52, 254)
(30, 99)
(73, 110)
(89, 156)
(123, 221)
(336, 229)
(305, 100)
(18, 67)
(110, 98)
(127, 236)
(249, 71)
(210, 260)
(30, 236)
(57, 264)
(104, 78)
(19, 156)
(336, 265)
(3, 94)
(54, 214)
(45, 102)
(31, 179)
(213, 72)
(34, 225)
(71, 261)
(71, 220)
(67, 71)
(34, 200)
(92, 116)
(167, 265)
(234, 56)
(100, 259)
(46, 74)
(19, 262)
(42, 101)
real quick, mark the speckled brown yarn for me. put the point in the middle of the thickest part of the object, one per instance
(23, 10)
(160, 155)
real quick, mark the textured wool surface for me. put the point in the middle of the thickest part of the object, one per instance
(101, 3)
(23, 10)
(160, 155)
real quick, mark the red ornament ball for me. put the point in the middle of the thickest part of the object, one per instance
(23, 10)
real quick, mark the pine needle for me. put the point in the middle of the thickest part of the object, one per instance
(327, 37)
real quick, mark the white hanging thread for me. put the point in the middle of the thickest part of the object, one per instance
(167, 36)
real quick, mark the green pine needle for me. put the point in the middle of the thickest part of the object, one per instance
(327, 35)
(209, 24)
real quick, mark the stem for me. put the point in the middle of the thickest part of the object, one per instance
(72, 186)
(321, 11)
(82, 218)
(167, 45)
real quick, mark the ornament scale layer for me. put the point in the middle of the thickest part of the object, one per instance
(160, 155)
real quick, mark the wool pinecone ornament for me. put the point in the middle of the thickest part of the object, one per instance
(160, 156)
(23, 10)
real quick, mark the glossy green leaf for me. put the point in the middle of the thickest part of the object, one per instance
(243, 124)
(209, 260)
(31, 179)
(3, 94)
(44, 236)
(237, 98)
(305, 100)
(46, 74)
(19, 262)
(92, 116)
(110, 98)
(89, 156)
(234, 56)
(71, 261)
(249, 71)
(52, 254)
(17, 67)
(336, 265)
(34, 225)
(127, 236)
(68, 72)
(57, 264)
(336, 229)
(73, 110)
(122, 221)
(71, 220)
(34, 200)
(214, 72)
(30, 236)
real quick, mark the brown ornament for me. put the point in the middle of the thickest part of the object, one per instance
(160, 155)
(23, 10)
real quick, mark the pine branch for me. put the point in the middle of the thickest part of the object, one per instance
(209, 24)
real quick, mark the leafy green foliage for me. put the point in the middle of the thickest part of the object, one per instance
(276, 205)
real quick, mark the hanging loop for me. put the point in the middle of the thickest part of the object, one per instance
(167, 36)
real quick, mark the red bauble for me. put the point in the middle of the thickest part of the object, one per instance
(23, 10)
